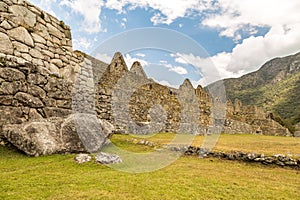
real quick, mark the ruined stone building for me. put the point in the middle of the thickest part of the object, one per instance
(43, 83)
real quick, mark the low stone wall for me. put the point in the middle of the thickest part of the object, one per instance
(277, 159)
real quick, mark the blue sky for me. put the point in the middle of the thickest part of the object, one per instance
(237, 36)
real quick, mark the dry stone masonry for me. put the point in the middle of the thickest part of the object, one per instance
(56, 100)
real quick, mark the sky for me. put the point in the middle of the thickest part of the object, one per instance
(234, 37)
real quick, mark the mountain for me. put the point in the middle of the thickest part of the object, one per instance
(275, 87)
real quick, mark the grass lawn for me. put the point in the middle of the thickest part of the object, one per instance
(226, 142)
(59, 177)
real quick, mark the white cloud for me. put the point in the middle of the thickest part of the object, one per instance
(167, 10)
(140, 55)
(248, 56)
(130, 60)
(90, 10)
(103, 57)
(246, 15)
(178, 70)
(166, 83)
(46, 5)
(81, 43)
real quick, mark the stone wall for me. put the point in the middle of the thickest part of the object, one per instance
(42, 82)
(32, 35)
(251, 119)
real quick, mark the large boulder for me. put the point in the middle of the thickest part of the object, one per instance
(75, 133)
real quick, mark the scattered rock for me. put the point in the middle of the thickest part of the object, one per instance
(82, 158)
(106, 158)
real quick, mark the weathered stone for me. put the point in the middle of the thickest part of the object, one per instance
(6, 100)
(27, 57)
(37, 61)
(3, 7)
(24, 14)
(52, 135)
(29, 100)
(38, 38)
(36, 91)
(20, 47)
(68, 73)
(36, 54)
(11, 88)
(6, 25)
(54, 69)
(34, 115)
(21, 34)
(42, 30)
(57, 62)
(82, 158)
(11, 115)
(64, 104)
(41, 137)
(48, 53)
(106, 158)
(54, 31)
(36, 79)
(56, 41)
(10, 74)
(56, 112)
(5, 44)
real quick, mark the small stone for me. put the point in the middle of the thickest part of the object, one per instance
(21, 34)
(36, 54)
(38, 38)
(29, 100)
(6, 25)
(82, 158)
(54, 31)
(26, 57)
(57, 62)
(3, 7)
(36, 79)
(36, 91)
(48, 53)
(11, 74)
(54, 69)
(106, 158)
(38, 62)
(5, 44)
(33, 114)
(20, 47)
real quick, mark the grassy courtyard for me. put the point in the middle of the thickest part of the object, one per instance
(59, 177)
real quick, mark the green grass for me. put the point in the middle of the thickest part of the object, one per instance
(59, 177)
(226, 142)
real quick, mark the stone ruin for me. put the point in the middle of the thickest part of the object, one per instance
(56, 100)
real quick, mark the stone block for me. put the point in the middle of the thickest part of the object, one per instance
(29, 100)
(11, 74)
(36, 79)
(5, 44)
(25, 14)
(21, 34)
(36, 54)
(21, 47)
(36, 91)
(56, 112)
(38, 38)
